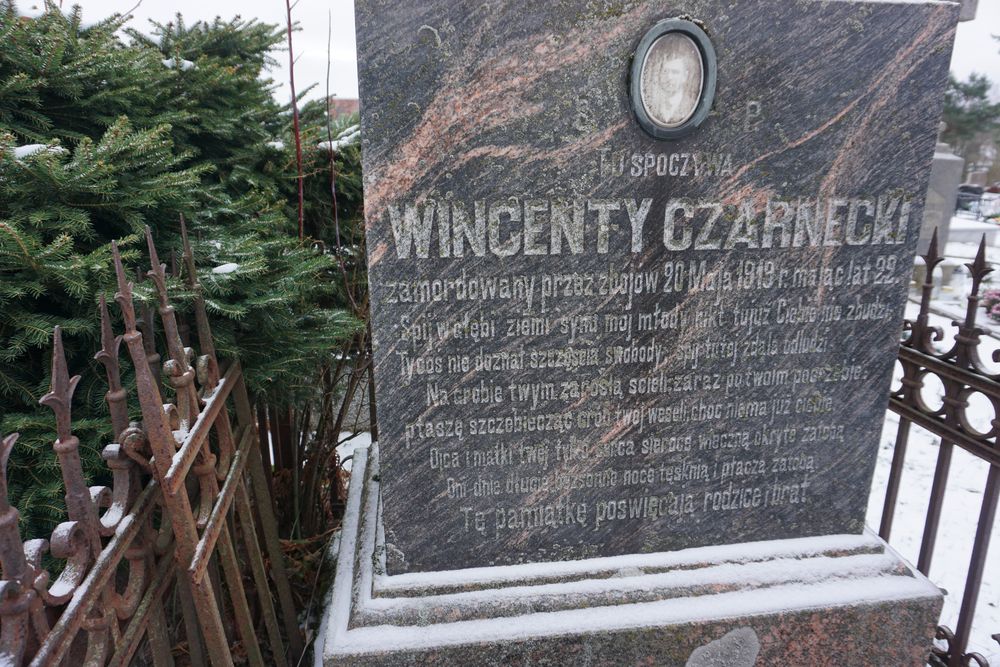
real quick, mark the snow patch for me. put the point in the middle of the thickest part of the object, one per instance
(178, 63)
(22, 152)
(276, 145)
(226, 268)
(33, 11)
(347, 446)
(348, 137)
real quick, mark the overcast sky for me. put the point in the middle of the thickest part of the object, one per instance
(975, 50)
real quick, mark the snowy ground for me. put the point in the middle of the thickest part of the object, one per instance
(963, 501)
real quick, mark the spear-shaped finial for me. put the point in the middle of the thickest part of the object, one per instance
(108, 355)
(205, 340)
(60, 397)
(158, 272)
(932, 258)
(124, 294)
(184, 237)
(979, 268)
(188, 256)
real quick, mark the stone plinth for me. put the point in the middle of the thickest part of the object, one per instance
(834, 600)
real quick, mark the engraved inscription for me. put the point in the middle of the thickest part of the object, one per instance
(589, 341)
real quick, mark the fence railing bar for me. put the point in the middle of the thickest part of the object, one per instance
(217, 520)
(192, 631)
(268, 524)
(237, 595)
(939, 428)
(980, 549)
(895, 477)
(157, 629)
(949, 371)
(934, 506)
(244, 511)
(61, 636)
(185, 457)
(137, 625)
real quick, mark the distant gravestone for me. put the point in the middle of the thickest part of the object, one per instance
(637, 274)
(625, 305)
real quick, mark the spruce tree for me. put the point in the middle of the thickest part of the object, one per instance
(99, 138)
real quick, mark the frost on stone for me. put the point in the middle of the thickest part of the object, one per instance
(229, 267)
(348, 137)
(22, 152)
(739, 648)
(178, 63)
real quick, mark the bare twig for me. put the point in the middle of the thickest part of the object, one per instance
(295, 124)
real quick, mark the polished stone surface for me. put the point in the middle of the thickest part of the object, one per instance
(816, 602)
(589, 342)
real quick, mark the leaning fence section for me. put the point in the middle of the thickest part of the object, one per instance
(181, 550)
(963, 372)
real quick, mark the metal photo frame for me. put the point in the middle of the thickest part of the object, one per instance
(709, 64)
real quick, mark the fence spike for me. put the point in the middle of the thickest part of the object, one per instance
(108, 357)
(60, 396)
(158, 270)
(79, 505)
(932, 258)
(124, 294)
(168, 318)
(205, 340)
(979, 268)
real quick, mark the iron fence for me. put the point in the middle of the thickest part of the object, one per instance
(187, 518)
(963, 373)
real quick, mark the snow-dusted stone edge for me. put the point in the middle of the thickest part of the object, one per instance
(848, 598)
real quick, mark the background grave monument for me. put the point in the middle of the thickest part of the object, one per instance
(637, 275)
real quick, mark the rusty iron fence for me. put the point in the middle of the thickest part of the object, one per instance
(185, 531)
(963, 373)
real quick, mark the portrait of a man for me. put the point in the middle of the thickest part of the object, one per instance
(672, 80)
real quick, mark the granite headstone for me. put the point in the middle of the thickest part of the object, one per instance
(589, 341)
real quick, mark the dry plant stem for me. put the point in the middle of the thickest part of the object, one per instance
(324, 434)
(295, 124)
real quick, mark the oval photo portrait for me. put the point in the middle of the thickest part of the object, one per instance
(672, 80)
